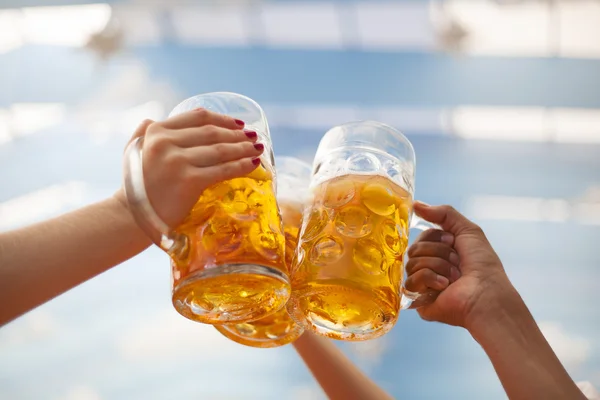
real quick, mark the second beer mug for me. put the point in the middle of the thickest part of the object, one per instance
(293, 178)
(227, 257)
(347, 276)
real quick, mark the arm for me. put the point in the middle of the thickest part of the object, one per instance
(42, 261)
(521, 356)
(337, 375)
(479, 296)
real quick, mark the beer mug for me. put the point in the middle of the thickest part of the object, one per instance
(348, 273)
(227, 257)
(293, 178)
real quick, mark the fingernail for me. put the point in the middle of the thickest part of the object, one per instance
(443, 282)
(251, 134)
(454, 274)
(256, 161)
(239, 122)
(447, 238)
(259, 146)
(454, 260)
(422, 204)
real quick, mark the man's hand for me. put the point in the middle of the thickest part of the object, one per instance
(461, 254)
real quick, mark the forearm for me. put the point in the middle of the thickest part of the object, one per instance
(42, 261)
(522, 358)
(337, 375)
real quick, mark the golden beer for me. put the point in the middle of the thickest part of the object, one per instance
(348, 271)
(276, 329)
(234, 228)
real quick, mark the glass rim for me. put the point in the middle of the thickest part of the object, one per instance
(217, 94)
(392, 130)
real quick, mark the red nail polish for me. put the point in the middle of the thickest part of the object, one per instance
(259, 146)
(256, 161)
(251, 134)
(239, 122)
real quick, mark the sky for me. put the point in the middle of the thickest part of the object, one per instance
(508, 134)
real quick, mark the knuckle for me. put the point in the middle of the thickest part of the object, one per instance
(147, 122)
(211, 130)
(159, 143)
(153, 128)
(477, 229)
(222, 150)
(174, 160)
(448, 209)
(414, 249)
(189, 178)
(202, 114)
(410, 266)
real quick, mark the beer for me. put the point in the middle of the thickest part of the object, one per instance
(276, 329)
(234, 235)
(348, 270)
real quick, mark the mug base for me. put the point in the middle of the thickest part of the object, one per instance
(342, 311)
(231, 293)
(256, 334)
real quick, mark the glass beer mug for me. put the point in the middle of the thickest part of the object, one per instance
(227, 257)
(349, 267)
(293, 179)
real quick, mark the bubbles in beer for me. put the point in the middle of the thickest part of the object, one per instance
(266, 242)
(245, 329)
(279, 328)
(348, 270)
(233, 225)
(392, 235)
(379, 199)
(316, 221)
(221, 236)
(353, 221)
(369, 255)
(338, 193)
(326, 250)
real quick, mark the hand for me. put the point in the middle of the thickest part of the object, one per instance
(188, 153)
(457, 261)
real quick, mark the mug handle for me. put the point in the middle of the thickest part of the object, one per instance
(144, 214)
(413, 299)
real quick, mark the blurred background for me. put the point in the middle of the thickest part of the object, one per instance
(500, 98)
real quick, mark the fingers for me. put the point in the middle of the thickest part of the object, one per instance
(209, 135)
(207, 156)
(141, 129)
(201, 117)
(424, 280)
(229, 170)
(436, 235)
(447, 217)
(438, 257)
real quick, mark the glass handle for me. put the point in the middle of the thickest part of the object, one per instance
(413, 299)
(140, 206)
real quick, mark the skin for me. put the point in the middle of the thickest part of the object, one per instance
(476, 294)
(182, 156)
(337, 375)
(186, 154)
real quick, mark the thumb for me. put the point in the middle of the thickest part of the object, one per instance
(141, 130)
(445, 216)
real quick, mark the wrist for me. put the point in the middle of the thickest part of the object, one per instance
(498, 300)
(121, 199)
(119, 204)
